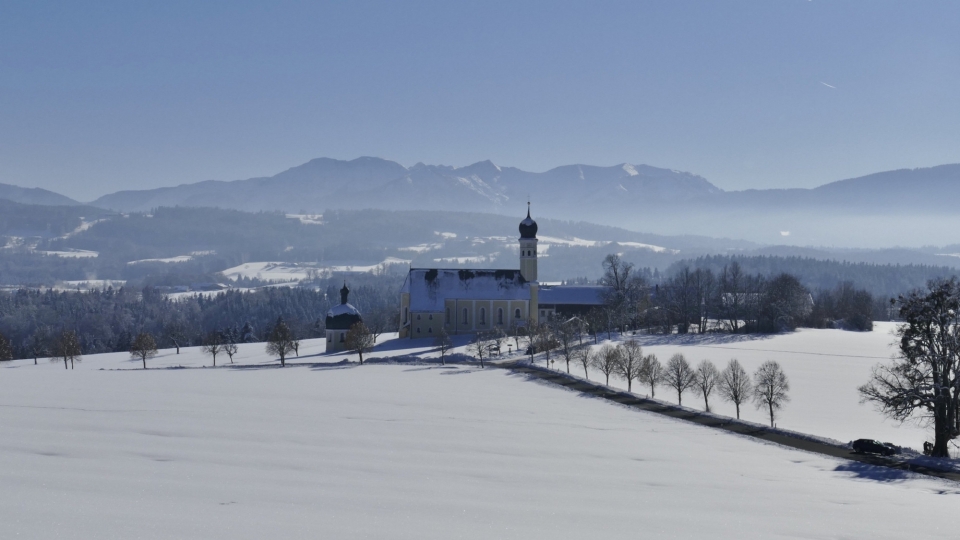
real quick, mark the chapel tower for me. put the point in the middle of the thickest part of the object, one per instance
(528, 247)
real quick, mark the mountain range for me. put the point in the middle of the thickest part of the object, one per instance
(902, 207)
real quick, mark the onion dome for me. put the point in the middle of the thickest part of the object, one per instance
(528, 227)
(343, 316)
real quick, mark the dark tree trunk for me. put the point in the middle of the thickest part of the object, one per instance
(770, 405)
(738, 409)
(144, 358)
(65, 363)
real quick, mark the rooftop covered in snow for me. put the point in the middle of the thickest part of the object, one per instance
(429, 287)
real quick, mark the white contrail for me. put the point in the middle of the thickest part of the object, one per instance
(828, 85)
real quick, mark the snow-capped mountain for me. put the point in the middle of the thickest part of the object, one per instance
(378, 183)
(869, 211)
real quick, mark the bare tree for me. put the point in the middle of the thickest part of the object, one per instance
(546, 340)
(735, 385)
(479, 346)
(652, 373)
(381, 319)
(497, 336)
(630, 362)
(586, 358)
(6, 349)
(175, 331)
(443, 344)
(596, 321)
(707, 379)
(280, 341)
(770, 388)
(679, 376)
(231, 349)
(143, 347)
(625, 290)
(67, 347)
(606, 360)
(38, 345)
(359, 339)
(566, 333)
(213, 344)
(925, 377)
(733, 294)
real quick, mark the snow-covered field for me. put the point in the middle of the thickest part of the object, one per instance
(295, 272)
(824, 367)
(328, 449)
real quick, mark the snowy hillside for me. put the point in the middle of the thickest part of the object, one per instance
(335, 450)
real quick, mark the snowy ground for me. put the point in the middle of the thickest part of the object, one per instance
(408, 451)
(824, 367)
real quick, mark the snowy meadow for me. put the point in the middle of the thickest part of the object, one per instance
(328, 448)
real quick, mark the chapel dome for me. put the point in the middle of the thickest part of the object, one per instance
(343, 316)
(528, 227)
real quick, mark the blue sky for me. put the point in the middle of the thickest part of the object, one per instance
(101, 96)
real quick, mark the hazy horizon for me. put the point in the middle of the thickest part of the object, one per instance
(101, 97)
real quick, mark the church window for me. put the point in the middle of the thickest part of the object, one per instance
(430, 316)
(483, 316)
(418, 329)
(405, 315)
(341, 337)
(499, 315)
(418, 316)
(464, 315)
(516, 314)
(430, 330)
(447, 319)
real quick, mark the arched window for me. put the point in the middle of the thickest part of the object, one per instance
(499, 315)
(464, 315)
(483, 316)
(405, 315)
(447, 320)
(341, 337)
(516, 313)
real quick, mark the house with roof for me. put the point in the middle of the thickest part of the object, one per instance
(466, 301)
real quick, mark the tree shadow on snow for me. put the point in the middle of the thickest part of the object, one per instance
(698, 339)
(877, 473)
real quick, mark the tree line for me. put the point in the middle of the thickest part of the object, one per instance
(730, 300)
(32, 321)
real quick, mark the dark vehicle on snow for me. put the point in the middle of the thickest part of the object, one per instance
(870, 446)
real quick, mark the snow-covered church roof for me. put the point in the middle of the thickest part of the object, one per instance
(429, 287)
(579, 295)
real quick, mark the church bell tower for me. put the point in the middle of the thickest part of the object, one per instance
(528, 247)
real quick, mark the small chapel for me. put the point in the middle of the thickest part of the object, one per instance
(339, 320)
(466, 301)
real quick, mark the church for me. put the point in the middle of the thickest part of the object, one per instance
(466, 301)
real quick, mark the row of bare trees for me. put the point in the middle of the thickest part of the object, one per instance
(768, 389)
(63, 346)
